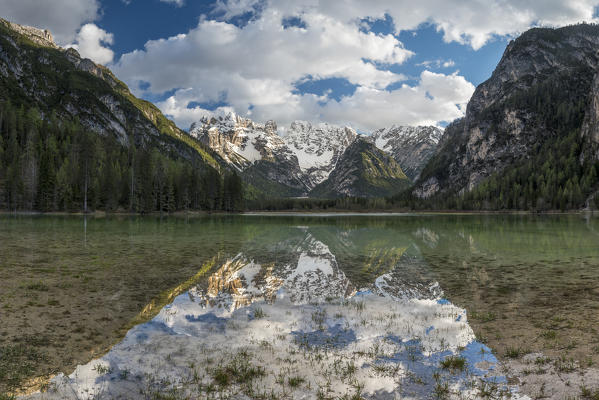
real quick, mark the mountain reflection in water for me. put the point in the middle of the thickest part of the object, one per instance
(282, 319)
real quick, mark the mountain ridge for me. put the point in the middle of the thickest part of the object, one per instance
(363, 170)
(508, 150)
(294, 163)
(74, 138)
(60, 81)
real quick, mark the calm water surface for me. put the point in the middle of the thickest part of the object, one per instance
(296, 305)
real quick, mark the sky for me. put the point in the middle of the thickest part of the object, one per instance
(368, 64)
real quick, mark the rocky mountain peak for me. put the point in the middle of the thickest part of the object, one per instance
(270, 127)
(240, 141)
(536, 54)
(42, 37)
(542, 82)
(298, 162)
(410, 146)
(318, 147)
(363, 170)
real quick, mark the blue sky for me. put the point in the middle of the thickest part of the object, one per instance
(136, 22)
(368, 64)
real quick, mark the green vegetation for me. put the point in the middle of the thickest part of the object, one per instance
(454, 363)
(516, 352)
(560, 172)
(309, 204)
(240, 370)
(365, 171)
(52, 165)
(588, 393)
(18, 361)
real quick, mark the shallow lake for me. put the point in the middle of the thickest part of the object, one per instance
(302, 306)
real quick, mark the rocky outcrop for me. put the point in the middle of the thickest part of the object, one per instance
(506, 118)
(318, 147)
(240, 141)
(280, 166)
(410, 146)
(42, 37)
(590, 126)
(256, 150)
(363, 171)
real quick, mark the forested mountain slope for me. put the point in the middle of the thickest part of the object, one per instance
(528, 140)
(71, 132)
(363, 171)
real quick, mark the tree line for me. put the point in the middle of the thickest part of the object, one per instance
(47, 164)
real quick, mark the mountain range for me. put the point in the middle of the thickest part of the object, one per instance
(319, 160)
(529, 140)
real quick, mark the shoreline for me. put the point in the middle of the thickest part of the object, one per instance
(198, 213)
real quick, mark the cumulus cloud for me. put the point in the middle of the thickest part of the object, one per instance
(178, 3)
(62, 17)
(263, 48)
(257, 65)
(254, 67)
(91, 43)
(472, 22)
(436, 98)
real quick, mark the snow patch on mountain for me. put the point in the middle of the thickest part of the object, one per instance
(240, 141)
(318, 147)
(410, 146)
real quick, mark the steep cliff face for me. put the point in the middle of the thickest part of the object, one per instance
(280, 166)
(363, 171)
(257, 151)
(539, 92)
(590, 126)
(410, 146)
(239, 141)
(35, 72)
(318, 147)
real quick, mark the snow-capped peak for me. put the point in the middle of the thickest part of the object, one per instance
(410, 146)
(240, 141)
(318, 147)
(309, 152)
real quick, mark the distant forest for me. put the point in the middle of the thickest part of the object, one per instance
(52, 165)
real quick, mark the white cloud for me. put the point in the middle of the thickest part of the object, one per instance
(436, 98)
(471, 22)
(448, 64)
(232, 8)
(62, 17)
(439, 63)
(264, 49)
(255, 67)
(91, 41)
(178, 3)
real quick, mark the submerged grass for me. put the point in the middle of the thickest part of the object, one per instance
(454, 363)
(239, 370)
